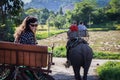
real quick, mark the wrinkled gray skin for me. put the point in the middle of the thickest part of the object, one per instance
(80, 56)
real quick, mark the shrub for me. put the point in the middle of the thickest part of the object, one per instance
(59, 51)
(109, 71)
(106, 55)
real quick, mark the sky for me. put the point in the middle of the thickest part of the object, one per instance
(26, 1)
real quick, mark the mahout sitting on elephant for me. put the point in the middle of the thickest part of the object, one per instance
(79, 54)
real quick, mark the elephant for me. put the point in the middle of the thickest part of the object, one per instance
(80, 54)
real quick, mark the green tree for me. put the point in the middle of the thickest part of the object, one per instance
(51, 19)
(9, 10)
(32, 11)
(113, 11)
(99, 16)
(60, 11)
(68, 15)
(82, 11)
(62, 20)
(43, 15)
(56, 20)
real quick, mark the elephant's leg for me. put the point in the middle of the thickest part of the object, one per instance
(76, 70)
(86, 68)
(85, 73)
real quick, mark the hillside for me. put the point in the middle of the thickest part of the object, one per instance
(55, 5)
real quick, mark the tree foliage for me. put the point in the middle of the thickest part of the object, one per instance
(9, 10)
(113, 11)
(82, 11)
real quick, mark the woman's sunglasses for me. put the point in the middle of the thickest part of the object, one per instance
(33, 25)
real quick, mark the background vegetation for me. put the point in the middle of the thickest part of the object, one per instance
(109, 71)
(106, 55)
(91, 12)
(61, 52)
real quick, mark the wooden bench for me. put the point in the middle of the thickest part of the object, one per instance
(27, 55)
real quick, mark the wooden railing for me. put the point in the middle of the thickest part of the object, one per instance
(25, 55)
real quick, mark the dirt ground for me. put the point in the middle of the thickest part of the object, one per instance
(59, 72)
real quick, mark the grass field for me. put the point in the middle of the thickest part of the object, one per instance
(107, 41)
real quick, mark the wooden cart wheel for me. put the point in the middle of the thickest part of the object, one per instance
(6, 72)
(42, 76)
(32, 75)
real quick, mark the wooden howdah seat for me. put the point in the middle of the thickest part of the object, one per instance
(27, 55)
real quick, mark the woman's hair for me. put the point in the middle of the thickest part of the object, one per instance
(24, 26)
